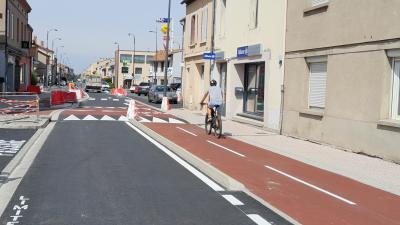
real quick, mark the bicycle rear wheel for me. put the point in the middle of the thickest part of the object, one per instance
(218, 126)
(208, 125)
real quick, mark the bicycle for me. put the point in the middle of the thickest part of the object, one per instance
(215, 123)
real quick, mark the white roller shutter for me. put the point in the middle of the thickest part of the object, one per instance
(318, 76)
(318, 2)
(204, 21)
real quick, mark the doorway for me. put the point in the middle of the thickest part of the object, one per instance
(254, 78)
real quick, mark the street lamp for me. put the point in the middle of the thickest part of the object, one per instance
(155, 61)
(167, 49)
(46, 83)
(134, 55)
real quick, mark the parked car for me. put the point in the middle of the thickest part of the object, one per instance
(143, 89)
(156, 94)
(175, 86)
(134, 88)
(105, 87)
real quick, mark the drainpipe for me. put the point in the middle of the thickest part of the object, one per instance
(284, 70)
(212, 63)
(6, 50)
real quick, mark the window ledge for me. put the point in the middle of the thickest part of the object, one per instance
(320, 7)
(312, 112)
(389, 123)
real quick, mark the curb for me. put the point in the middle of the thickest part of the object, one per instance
(220, 177)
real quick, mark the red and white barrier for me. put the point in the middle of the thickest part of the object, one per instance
(131, 114)
(165, 106)
(119, 92)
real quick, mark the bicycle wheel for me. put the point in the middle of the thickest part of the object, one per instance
(218, 126)
(208, 125)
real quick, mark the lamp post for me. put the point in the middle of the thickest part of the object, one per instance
(46, 83)
(117, 67)
(155, 61)
(134, 55)
(52, 58)
(167, 49)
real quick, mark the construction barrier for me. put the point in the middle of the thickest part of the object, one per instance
(34, 89)
(18, 103)
(70, 97)
(119, 92)
(57, 98)
(165, 106)
(132, 111)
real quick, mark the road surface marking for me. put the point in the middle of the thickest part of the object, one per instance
(92, 99)
(107, 118)
(158, 120)
(89, 118)
(172, 120)
(72, 118)
(183, 163)
(126, 103)
(144, 120)
(232, 199)
(187, 131)
(227, 149)
(258, 219)
(110, 107)
(98, 107)
(10, 148)
(312, 186)
(116, 100)
(123, 118)
(104, 99)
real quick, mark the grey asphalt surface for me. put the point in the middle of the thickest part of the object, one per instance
(12, 135)
(104, 100)
(143, 99)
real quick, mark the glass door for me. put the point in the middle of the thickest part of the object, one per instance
(254, 89)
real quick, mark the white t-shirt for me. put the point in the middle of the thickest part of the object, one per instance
(215, 95)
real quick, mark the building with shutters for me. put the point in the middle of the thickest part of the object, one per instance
(342, 66)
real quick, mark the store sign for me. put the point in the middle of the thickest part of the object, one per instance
(209, 55)
(251, 50)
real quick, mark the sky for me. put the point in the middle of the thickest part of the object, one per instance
(89, 28)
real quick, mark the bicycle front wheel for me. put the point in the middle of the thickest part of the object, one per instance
(207, 125)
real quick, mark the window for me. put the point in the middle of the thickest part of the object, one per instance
(8, 23)
(222, 18)
(396, 90)
(318, 2)
(149, 59)
(124, 58)
(17, 29)
(139, 59)
(138, 70)
(253, 14)
(12, 26)
(317, 82)
(204, 24)
(193, 30)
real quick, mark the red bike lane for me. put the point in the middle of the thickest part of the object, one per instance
(308, 194)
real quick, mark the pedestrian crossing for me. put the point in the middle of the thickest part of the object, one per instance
(121, 118)
(104, 99)
(10, 148)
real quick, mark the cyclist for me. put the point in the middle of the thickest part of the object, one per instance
(215, 97)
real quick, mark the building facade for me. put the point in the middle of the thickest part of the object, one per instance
(40, 56)
(104, 67)
(174, 73)
(132, 67)
(15, 41)
(342, 74)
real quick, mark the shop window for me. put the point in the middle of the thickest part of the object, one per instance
(317, 84)
(396, 90)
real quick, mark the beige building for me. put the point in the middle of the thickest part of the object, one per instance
(342, 74)
(41, 55)
(15, 41)
(197, 41)
(132, 70)
(104, 67)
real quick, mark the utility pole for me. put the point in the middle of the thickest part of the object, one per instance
(167, 49)
(155, 61)
(134, 56)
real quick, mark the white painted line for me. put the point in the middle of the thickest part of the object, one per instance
(158, 120)
(186, 131)
(227, 149)
(123, 118)
(110, 107)
(144, 120)
(98, 107)
(104, 99)
(232, 199)
(89, 118)
(72, 118)
(183, 163)
(92, 99)
(107, 118)
(312, 186)
(116, 100)
(172, 120)
(126, 103)
(258, 219)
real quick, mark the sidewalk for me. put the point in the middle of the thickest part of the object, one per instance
(371, 171)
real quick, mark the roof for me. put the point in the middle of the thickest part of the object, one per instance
(26, 5)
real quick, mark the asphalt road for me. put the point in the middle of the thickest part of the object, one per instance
(102, 172)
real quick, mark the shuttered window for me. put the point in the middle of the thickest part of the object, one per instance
(396, 90)
(318, 2)
(317, 92)
(204, 21)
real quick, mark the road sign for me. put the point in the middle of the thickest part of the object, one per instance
(209, 55)
(162, 20)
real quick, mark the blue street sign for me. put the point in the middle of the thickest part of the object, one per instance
(243, 52)
(162, 20)
(209, 55)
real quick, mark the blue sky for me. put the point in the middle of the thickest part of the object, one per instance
(89, 28)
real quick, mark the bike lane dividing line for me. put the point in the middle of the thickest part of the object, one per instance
(225, 148)
(186, 131)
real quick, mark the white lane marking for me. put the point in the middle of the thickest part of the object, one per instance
(227, 149)
(116, 100)
(72, 118)
(232, 199)
(123, 118)
(172, 120)
(92, 99)
(187, 131)
(110, 107)
(89, 118)
(98, 107)
(258, 219)
(104, 99)
(144, 120)
(312, 186)
(126, 103)
(183, 163)
(107, 118)
(158, 120)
